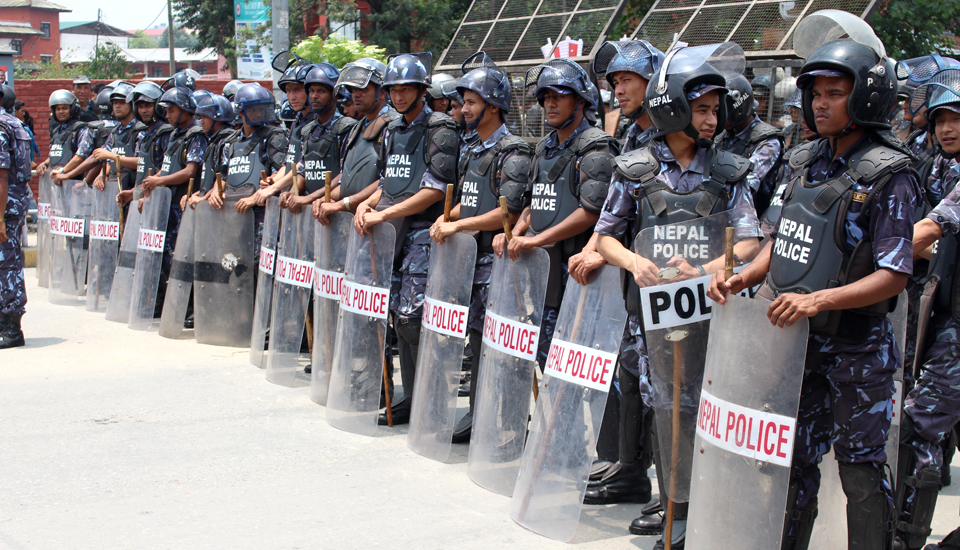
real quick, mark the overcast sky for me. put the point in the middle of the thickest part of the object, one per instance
(124, 14)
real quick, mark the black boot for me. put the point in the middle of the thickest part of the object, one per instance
(623, 483)
(11, 336)
(461, 432)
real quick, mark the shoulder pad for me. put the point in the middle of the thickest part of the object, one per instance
(511, 143)
(307, 128)
(374, 128)
(436, 120)
(194, 130)
(875, 162)
(638, 165)
(763, 132)
(343, 125)
(542, 144)
(442, 151)
(165, 129)
(516, 168)
(593, 138)
(803, 154)
(728, 167)
(97, 124)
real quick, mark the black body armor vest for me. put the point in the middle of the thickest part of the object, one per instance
(360, 164)
(61, 145)
(479, 193)
(148, 147)
(323, 155)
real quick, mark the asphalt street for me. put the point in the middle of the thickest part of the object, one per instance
(112, 438)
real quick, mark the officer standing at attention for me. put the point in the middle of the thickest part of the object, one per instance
(15, 196)
(418, 159)
(216, 115)
(679, 176)
(496, 165)
(72, 141)
(850, 177)
(121, 141)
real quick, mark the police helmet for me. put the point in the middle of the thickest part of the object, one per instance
(915, 72)
(285, 112)
(408, 68)
(179, 96)
(206, 104)
(562, 76)
(740, 102)
(256, 104)
(343, 96)
(450, 91)
(225, 110)
(942, 91)
(186, 78)
(104, 108)
(64, 97)
(481, 75)
(635, 56)
(360, 73)
(435, 91)
(121, 91)
(686, 74)
(8, 99)
(230, 89)
(148, 92)
(321, 73)
(294, 74)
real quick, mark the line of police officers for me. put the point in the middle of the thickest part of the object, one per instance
(695, 147)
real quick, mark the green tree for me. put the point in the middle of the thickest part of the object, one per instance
(911, 28)
(142, 40)
(213, 21)
(337, 50)
(633, 13)
(108, 62)
(181, 39)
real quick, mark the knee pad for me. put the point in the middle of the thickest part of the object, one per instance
(870, 512)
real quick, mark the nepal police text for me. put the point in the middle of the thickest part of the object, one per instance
(398, 166)
(239, 165)
(544, 197)
(793, 231)
(314, 170)
(470, 193)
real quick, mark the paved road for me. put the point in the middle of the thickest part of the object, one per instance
(111, 438)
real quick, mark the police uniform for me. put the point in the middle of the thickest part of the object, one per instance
(763, 145)
(361, 157)
(213, 157)
(122, 141)
(15, 159)
(73, 138)
(323, 149)
(295, 141)
(566, 176)
(846, 396)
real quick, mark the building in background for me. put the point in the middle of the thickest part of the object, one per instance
(32, 29)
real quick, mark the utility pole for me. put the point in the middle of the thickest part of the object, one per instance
(280, 15)
(170, 34)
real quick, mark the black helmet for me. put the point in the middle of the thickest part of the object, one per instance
(481, 75)
(740, 102)
(256, 104)
(8, 99)
(148, 92)
(64, 97)
(225, 110)
(104, 108)
(560, 73)
(360, 73)
(230, 89)
(179, 96)
(121, 91)
(325, 74)
(408, 68)
(688, 73)
(186, 78)
(293, 75)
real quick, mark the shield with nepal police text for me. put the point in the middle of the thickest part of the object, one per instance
(578, 374)
(69, 227)
(118, 309)
(508, 357)
(180, 284)
(293, 281)
(745, 428)
(146, 272)
(43, 229)
(330, 250)
(104, 246)
(446, 309)
(831, 523)
(676, 320)
(224, 267)
(267, 264)
(353, 401)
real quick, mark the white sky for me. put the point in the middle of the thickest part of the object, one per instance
(119, 13)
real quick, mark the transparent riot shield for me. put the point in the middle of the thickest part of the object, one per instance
(176, 302)
(676, 320)
(224, 267)
(293, 281)
(745, 428)
(268, 260)
(330, 249)
(150, 243)
(446, 311)
(69, 227)
(831, 523)
(353, 400)
(511, 333)
(118, 308)
(104, 246)
(563, 435)
(43, 230)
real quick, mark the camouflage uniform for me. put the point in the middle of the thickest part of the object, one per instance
(847, 390)
(15, 159)
(764, 157)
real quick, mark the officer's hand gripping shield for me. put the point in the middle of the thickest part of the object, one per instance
(224, 267)
(676, 319)
(446, 310)
(72, 208)
(563, 436)
(511, 334)
(104, 246)
(745, 428)
(150, 245)
(293, 280)
(180, 284)
(265, 272)
(330, 249)
(353, 402)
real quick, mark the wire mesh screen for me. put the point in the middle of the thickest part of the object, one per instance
(773, 81)
(761, 27)
(513, 32)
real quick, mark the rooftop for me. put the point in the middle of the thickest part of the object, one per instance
(38, 4)
(92, 27)
(18, 27)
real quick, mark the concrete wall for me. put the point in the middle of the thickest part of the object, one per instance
(35, 94)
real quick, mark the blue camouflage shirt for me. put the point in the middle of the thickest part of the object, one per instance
(947, 212)
(763, 157)
(161, 143)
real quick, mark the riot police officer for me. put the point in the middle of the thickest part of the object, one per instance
(14, 195)
(72, 141)
(82, 88)
(436, 99)
(496, 165)
(749, 137)
(216, 115)
(932, 408)
(418, 159)
(291, 84)
(853, 184)
(121, 141)
(678, 177)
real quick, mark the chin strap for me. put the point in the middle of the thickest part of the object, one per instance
(569, 120)
(414, 104)
(471, 126)
(376, 103)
